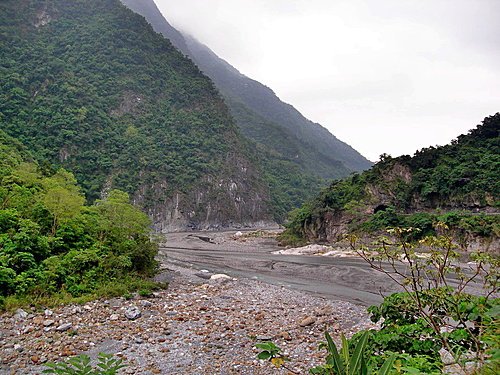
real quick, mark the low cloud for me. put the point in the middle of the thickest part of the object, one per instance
(385, 76)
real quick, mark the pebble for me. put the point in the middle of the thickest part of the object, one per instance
(20, 314)
(190, 328)
(219, 276)
(64, 327)
(133, 313)
(307, 321)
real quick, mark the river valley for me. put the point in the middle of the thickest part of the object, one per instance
(336, 278)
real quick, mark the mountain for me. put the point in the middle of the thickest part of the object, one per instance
(89, 86)
(456, 184)
(297, 155)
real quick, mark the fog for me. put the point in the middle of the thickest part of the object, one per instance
(385, 76)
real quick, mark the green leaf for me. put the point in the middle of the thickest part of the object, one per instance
(264, 355)
(357, 356)
(337, 363)
(388, 365)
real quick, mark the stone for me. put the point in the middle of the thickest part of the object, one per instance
(133, 313)
(205, 276)
(64, 327)
(115, 302)
(38, 320)
(114, 317)
(285, 336)
(219, 276)
(48, 312)
(264, 338)
(20, 314)
(138, 340)
(77, 310)
(145, 303)
(307, 321)
(327, 310)
(48, 322)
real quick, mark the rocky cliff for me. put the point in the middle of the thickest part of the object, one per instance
(456, 184)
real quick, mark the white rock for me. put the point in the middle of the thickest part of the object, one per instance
(64, 327)
(219, 276)
(133, 313)
(20, 314)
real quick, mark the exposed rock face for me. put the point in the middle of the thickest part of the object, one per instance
(43, 17)
(227, 200)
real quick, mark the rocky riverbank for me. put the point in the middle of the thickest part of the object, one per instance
(196, 326)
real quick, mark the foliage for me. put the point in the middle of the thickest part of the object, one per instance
(437, 310)
(81, 365)
(51, 243)
(447, 183)
(88, 86)
(464, 224)
(269, 351)
(447, 304)
(347, 362)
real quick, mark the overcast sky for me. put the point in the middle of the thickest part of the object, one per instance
(387, 76)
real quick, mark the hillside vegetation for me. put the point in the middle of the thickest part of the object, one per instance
(457, 184)
(297, 156)
(54, 247)
(89, 86)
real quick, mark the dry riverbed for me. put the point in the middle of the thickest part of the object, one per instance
(196, 326)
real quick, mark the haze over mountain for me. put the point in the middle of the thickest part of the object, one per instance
(372, 72)
(249, 98)
(297, 155)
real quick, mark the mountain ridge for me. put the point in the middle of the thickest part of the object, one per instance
(456, 184)
(297, 155)
(90, 87)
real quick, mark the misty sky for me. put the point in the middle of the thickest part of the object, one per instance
(387, 76)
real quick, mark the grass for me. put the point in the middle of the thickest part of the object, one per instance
(115, 288)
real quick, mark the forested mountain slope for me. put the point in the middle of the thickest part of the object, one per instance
(457, 184)
(88, 85)
(297, 155)
(52, 246)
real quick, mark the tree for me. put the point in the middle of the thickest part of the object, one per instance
(62, 197)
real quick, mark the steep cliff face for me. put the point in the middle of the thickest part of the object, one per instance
(457, 184)
(89, 86)
(297, 155)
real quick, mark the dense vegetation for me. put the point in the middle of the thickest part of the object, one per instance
(52, 246)
(89, 86)
(457, 184)
(296, 155)
(445, 320)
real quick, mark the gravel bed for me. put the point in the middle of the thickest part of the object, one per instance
(196, 326)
